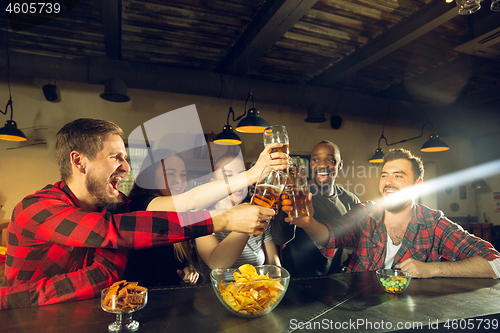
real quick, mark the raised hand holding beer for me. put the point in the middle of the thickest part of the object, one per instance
(277, 133)
(269, 188)
(301, 222)
(276, 161)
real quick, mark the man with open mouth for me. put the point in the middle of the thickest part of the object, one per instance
(68, 241)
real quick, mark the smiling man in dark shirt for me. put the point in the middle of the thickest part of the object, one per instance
(300, 256)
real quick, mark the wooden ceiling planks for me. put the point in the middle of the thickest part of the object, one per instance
(322, 46)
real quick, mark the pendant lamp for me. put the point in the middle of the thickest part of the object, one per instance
(434, 144)
(10, 132)
(252, 123)
(227, 136)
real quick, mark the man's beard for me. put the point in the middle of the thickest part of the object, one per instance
(396, 205)
(97, 190)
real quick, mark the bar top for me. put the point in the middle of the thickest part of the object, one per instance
(337, 303)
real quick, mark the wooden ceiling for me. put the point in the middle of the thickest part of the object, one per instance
(358, 57)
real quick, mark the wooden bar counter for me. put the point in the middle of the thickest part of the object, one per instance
(337, 303)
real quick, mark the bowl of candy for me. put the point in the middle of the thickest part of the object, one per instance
(394, 281)
(250, 291)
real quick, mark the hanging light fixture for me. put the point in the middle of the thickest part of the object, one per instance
(115, 90)
(378, 157)
(252, 123)
(434, 144)
(227, 136)
(315, 115)
(10, 132)
(478, 183)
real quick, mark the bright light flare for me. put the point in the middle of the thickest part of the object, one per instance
(459, 177)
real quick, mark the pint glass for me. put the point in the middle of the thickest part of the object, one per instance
(296, 189)
(268, 190)
(277, 133)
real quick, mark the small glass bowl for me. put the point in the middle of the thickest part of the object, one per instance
(394, 281)
(113, 304)
(268, 292)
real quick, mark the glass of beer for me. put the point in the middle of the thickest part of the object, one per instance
(269, 188)
(297, 188)
(276, 133)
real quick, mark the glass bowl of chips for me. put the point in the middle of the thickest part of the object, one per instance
(250, 291)
(123, 298)
(394, 281)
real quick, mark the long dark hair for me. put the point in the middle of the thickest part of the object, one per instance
(145, 183)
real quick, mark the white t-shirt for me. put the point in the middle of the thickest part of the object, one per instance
(392, 249)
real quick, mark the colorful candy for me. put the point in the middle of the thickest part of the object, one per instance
(394, 284)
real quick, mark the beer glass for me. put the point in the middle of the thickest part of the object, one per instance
(269, 188)
(297, 188)
(276, 133)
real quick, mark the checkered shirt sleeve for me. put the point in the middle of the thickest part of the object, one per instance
(430, 237)
(107, 268)
(59, 252)
(344, 231)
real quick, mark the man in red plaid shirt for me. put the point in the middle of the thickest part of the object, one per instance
(66, 242)
(399, 233)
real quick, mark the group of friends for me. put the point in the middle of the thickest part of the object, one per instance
(78, 236)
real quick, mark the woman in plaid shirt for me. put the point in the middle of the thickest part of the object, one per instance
(67, 241)
(399, 233)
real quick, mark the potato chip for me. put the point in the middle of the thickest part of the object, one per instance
(251, 293)
(248, 269)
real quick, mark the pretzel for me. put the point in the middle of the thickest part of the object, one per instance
(124, 296)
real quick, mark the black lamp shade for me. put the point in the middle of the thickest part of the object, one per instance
(315, 116)
(227, 137)
(252, 123)
(478, 183)
(10, 132)
(115, 90)
(434, 144)
(378, 157)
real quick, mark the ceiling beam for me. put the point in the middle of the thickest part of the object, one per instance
(267, 26)
(179, 80)
(112, 23)
(423, 21)
(442, 79)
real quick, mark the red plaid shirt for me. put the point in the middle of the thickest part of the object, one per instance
(58, 252)
(429, 237)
